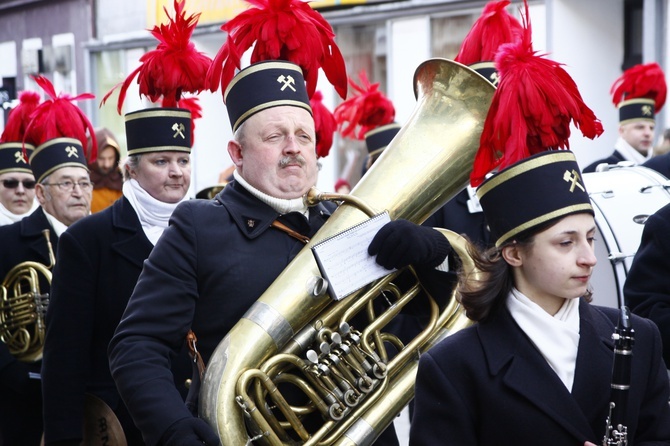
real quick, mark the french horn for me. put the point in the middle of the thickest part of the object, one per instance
(295, 335)
(23, 307)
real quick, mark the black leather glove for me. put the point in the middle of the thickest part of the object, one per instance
(190, 432)
(15, 377)
(400, 243)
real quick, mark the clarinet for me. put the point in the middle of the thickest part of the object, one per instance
(616, 431)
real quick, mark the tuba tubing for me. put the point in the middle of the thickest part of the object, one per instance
(426, 164)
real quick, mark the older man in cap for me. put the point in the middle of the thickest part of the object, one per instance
(63, 190)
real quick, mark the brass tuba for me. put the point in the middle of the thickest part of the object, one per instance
(23, 307)
(295, 335)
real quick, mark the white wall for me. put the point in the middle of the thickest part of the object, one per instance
(212, 131)
(408, 46)
(587, 36)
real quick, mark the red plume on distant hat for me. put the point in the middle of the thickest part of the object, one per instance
(641, 81)
(174, 67)
(532, 108)
(494, 27)
(287, 30)
(59, 117)
(366, 110)
(324, 123)
(19, 117)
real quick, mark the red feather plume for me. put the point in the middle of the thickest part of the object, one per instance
(366, 110)
(281, 29)
(174, 67)
(19, 117)
(59, 117)
(325, 125)
(532, 108)
(641, 81)
(493, 28)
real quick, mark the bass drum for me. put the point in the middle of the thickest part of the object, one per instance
(623, 197)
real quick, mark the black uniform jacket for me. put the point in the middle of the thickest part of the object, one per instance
(614, 158)
(213, 262)
(99, 260)
(647, 287)
(456, 217)
(488, 385)
(20, 242)
(660, 163)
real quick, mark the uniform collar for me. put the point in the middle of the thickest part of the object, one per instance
(511, 355)
(252, 216)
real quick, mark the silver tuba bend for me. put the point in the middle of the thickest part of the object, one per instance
(296, 334)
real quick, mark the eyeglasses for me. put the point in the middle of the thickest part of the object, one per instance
(68, 186)
(13, 184)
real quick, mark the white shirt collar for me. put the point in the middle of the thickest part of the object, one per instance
(556, 337)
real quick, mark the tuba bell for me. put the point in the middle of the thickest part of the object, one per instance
(23, 307)
(295, 335)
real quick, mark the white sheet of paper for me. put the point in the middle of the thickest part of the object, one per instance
(344, 260)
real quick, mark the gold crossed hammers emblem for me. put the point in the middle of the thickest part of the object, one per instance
(19, 157)
(288, 81)
(179, 130)
(71, 151)
(573, 179)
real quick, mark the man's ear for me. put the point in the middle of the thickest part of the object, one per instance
(40, 193)
(235, 152)
(512, 254)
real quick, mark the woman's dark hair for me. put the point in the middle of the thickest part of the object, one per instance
(482, 297)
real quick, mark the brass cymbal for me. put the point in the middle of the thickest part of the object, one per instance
(101, 427)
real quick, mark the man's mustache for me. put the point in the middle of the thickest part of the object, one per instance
(292, 159)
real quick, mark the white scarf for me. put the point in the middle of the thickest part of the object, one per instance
(154, 214)
(556, 337)
(281, 205)
(630, 153)
(7, 217)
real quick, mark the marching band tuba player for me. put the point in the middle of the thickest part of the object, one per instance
(218, 256)
(100, 258)
(537, 367)
(58, 131)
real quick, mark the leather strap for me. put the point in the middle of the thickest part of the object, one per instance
(198, 366)
(295, 234)
(191, 341)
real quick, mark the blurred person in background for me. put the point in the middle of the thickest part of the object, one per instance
(105, 172)
(639, 93)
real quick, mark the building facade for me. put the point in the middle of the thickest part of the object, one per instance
(91, 45)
